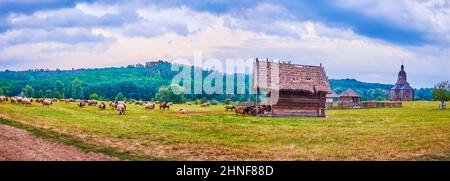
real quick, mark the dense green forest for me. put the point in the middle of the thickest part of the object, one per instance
(148, 81)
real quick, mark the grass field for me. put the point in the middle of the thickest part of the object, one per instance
(418, 131)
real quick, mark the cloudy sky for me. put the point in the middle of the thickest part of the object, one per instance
(366, 40)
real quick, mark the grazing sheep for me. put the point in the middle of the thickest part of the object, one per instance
(19, 99)
(150, 106)
(139, 103)
(164, 105)
(182, 111)
(47, 102)
(81, 104)
(240, 110)
(40, 100)
(102, 106)
(2, 98)
(230, 107)
(189, 103)
(121, 107)
(92, 102)
(112, 105)
(204, 105)
(14, 100)
(27, 101)
(54, 100)
(170, 103)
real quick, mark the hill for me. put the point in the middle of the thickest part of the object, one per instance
(145, 82)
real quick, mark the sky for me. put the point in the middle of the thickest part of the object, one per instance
(365, 40)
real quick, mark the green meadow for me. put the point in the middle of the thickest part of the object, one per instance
(417, 131)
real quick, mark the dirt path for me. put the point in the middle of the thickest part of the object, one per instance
(17, 144)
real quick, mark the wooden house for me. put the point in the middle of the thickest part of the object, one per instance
(300, 89)
(349, 99)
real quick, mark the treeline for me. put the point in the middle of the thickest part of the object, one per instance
(150, 81)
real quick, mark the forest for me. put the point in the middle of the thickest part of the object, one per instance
(150, 81)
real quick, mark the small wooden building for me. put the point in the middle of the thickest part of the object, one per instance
(349, 99)
(300, 89)
(332, 97)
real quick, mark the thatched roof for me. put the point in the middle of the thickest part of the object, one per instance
(291, 77)
(349, 93)
(332, 95)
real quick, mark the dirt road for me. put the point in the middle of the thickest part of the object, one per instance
(17, 144)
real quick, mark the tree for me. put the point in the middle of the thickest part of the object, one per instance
(77, 90)
(39, 94)
(441, 92)
(119, 97)
(94, 96)
(59, 89)
(28, 91)
(173, 93)
(1, 92)
(49, 93)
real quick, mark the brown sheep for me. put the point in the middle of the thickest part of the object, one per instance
(47, 102)
(230, 107)
(139, 103)
(40, 100)
(240, 110)
(102, 106)
(92, 102)
(164, 105)
(14, 100)
(121, 107)
(81, 104)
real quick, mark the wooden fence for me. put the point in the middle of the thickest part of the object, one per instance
(362, 105)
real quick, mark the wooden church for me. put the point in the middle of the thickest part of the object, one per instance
(402, 91)
(292, 90)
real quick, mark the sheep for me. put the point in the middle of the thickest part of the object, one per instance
(27, 101)
(240, 110)
(112, 105)
(204, 105)
(2, 98)
(164, 105)
(92, 102)
(230, 107)
(102, 106)
(182, 111)
(121, 107)
(81, 104)
(14, 100)
(47, 102)
(189, 103)
(150, 106)
(139, 103)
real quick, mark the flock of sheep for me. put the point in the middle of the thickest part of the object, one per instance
(121, 107)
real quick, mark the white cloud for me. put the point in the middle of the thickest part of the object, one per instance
(430, 16)
(171, 33)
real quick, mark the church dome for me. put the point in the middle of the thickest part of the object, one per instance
(402, 76)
